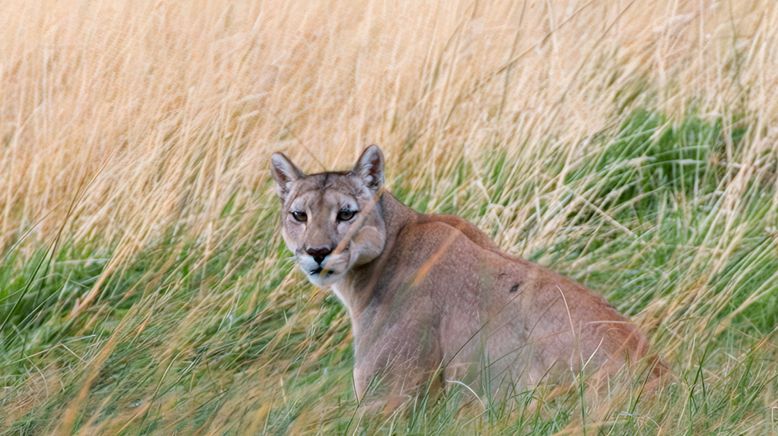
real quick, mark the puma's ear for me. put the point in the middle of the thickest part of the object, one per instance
(284, 172)
(370, 167)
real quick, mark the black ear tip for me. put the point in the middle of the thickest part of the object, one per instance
(370, 166)
(375, 154)
(283, 168)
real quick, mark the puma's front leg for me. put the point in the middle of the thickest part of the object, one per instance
(395, 369)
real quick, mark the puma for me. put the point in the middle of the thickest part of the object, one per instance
(433, 301)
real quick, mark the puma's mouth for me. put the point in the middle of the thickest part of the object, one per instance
(321, 271)
(321, 274)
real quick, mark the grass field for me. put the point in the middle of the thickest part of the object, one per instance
(144, 288)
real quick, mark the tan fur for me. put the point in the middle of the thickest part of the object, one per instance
(433, 301)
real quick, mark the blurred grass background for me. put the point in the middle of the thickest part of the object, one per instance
(144, 287)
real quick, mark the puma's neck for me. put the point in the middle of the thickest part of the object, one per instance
(356, 289)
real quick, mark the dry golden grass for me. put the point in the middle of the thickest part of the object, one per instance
(125, 122)
(143, 114)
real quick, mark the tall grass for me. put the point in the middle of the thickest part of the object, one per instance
(143, 284)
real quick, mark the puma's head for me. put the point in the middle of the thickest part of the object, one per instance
(332, 221)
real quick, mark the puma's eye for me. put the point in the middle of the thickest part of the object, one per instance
(345, 214)
(299, 216)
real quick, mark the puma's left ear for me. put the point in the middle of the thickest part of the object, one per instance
(284, 172)
(370, 167)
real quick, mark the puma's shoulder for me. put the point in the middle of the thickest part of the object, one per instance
(467, 229)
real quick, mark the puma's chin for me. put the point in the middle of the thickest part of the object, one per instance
(323, 277)
(332, 270)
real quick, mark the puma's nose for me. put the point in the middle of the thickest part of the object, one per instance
(318, 253)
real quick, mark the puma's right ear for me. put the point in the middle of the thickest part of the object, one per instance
(370, 167)
(284, 172)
